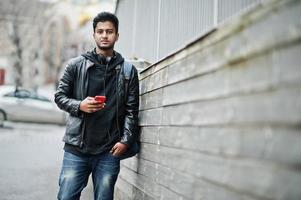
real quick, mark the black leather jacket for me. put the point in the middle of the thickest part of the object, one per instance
(72, 90)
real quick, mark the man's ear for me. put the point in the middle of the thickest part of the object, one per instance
(117, 36)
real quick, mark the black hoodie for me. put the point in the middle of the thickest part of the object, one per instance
(101, 131)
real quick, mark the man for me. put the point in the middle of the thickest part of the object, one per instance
(97, 134)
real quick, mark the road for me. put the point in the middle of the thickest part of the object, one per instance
(30, 161)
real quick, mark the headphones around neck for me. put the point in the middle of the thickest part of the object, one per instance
(103, 59)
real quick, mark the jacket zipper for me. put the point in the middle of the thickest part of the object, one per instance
(84, 115)
(117, 92)
(84, 88)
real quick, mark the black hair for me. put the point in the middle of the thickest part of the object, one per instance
(106, 16)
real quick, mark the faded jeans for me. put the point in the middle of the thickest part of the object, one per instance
(76, 170)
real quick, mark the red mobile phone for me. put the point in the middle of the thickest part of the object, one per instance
(100, 99)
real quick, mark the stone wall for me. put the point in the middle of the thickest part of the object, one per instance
(221, 118)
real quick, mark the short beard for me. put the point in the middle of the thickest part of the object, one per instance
(106, 48)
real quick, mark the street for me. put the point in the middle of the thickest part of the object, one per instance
(31, 157)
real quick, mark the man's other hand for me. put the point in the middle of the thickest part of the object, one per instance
(119, 149)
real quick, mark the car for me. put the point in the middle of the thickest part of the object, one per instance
(22, 105)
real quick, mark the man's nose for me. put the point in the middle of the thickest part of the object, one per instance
(104, 34)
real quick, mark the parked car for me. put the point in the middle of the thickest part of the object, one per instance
(27, 106)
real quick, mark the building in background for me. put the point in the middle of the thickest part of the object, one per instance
(151, 30)
(20, 25)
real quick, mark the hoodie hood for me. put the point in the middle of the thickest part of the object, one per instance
(101, 60)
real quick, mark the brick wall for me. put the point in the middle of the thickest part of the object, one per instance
(221, 118)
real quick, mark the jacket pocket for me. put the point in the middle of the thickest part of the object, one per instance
(73, 130)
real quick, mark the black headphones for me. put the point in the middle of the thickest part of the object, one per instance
(104, 60)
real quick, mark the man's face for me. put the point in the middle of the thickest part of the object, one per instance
(105, 35)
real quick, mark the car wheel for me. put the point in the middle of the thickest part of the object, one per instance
(2, 117)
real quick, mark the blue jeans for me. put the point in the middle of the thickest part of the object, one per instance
(76, 170)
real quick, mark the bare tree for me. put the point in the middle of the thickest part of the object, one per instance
(22, 17)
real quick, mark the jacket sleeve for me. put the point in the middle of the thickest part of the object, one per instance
(63, 95)
(130, 131)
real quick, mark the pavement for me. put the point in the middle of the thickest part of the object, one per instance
(31, 157)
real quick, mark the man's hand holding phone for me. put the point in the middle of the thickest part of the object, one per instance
(92, 104)
(100, 99)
